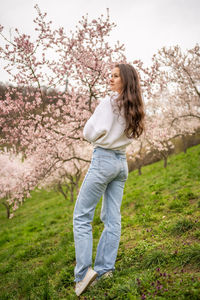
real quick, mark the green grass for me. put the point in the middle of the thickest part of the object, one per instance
(159, 252)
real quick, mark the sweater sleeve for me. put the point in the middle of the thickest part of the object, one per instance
(95, 127)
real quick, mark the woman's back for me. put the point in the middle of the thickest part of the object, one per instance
(106, 128)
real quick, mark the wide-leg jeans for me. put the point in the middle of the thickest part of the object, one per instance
(106, 177)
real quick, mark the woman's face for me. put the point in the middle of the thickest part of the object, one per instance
(115, 81)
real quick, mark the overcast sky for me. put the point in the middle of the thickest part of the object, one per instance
(143, 26)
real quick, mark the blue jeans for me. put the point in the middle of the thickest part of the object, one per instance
(106, 176)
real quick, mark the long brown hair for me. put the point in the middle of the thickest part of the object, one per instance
(130, 99)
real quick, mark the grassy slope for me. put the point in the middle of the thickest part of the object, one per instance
(159, 253)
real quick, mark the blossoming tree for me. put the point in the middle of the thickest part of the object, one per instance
(34, 120)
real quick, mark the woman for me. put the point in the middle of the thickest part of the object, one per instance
(113, 125)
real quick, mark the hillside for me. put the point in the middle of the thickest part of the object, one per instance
(159, 253)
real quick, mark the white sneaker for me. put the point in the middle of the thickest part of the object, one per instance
(105, 275)
(87, 280)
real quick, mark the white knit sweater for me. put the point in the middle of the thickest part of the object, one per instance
(105, 129)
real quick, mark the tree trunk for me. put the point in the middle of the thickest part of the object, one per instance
(7, 209)
(72, 192)
(165, 161)
(60, 189)
(184, 144)
(140, 170)
(76, 186)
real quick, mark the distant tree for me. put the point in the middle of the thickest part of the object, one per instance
(171, 86)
